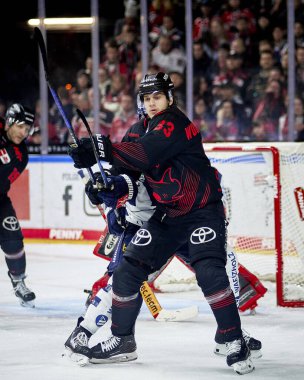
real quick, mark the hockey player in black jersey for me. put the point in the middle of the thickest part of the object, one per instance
(168, 151)
(13, 160)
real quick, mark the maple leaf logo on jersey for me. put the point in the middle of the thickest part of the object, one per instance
(167, 189)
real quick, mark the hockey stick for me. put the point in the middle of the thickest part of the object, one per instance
(163, 315)
(86, 124)
(157, 311)
(42, 48)
(85, 181)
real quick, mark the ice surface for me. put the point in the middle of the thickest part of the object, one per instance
(31, 340)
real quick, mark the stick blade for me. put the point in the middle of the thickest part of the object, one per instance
(178, 315)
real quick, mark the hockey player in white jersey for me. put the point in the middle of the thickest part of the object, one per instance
(138, 210)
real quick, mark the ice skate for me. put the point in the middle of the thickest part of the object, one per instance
(114, 349)
(22, 292)
(254, 346)
(77, 345)
(238, 356)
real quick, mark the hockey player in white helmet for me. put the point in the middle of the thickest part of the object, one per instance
(99, 311)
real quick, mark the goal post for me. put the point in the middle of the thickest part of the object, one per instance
(263, 189)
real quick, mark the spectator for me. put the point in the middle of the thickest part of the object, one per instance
(124, 118)
(129, 53)
(263, 28)
(299, 33)
(202, 90)
(201, 60)
(284, 65)
(83, 81)
(234, 74)
(105, 116)
(258, 83)
(129, 21)
(298, 122)
(168, 58)
(234, 11)
(227, 92)
(259, 131)
(157, 10)
(265, 45)
(270, 108)
(114, 93)
(167, 28)
(104, 81)
(218, 36)
(237, 46)
(219, 64)
(178, 80)
(204, 119)
(111, 62)
(202, 17)
(279, 42)
(89, 66)
(227, 124)
(300, 70)
(242, 30)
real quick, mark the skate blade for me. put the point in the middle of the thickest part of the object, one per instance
(29, 304)
(115, 359)
(243, 367)
(220, 350)
(79, 359)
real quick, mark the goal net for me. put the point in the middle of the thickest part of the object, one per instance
(263, 188)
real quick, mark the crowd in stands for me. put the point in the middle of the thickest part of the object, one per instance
(240, 67)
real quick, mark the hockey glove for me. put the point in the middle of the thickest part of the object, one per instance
(120, 189)
(113, 226)
(92, 191)
(83, 154)
(104, 148)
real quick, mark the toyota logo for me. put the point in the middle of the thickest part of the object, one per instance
(202, 235)
(142, 237)
(11, 223)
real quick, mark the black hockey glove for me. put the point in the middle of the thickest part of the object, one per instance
(92, 191)
(83, 154)
(104, 148)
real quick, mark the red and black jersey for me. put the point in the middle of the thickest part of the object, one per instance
(168, 150)
(13, 160)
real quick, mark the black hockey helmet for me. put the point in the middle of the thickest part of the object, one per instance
(155, 83)
(18, 114)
